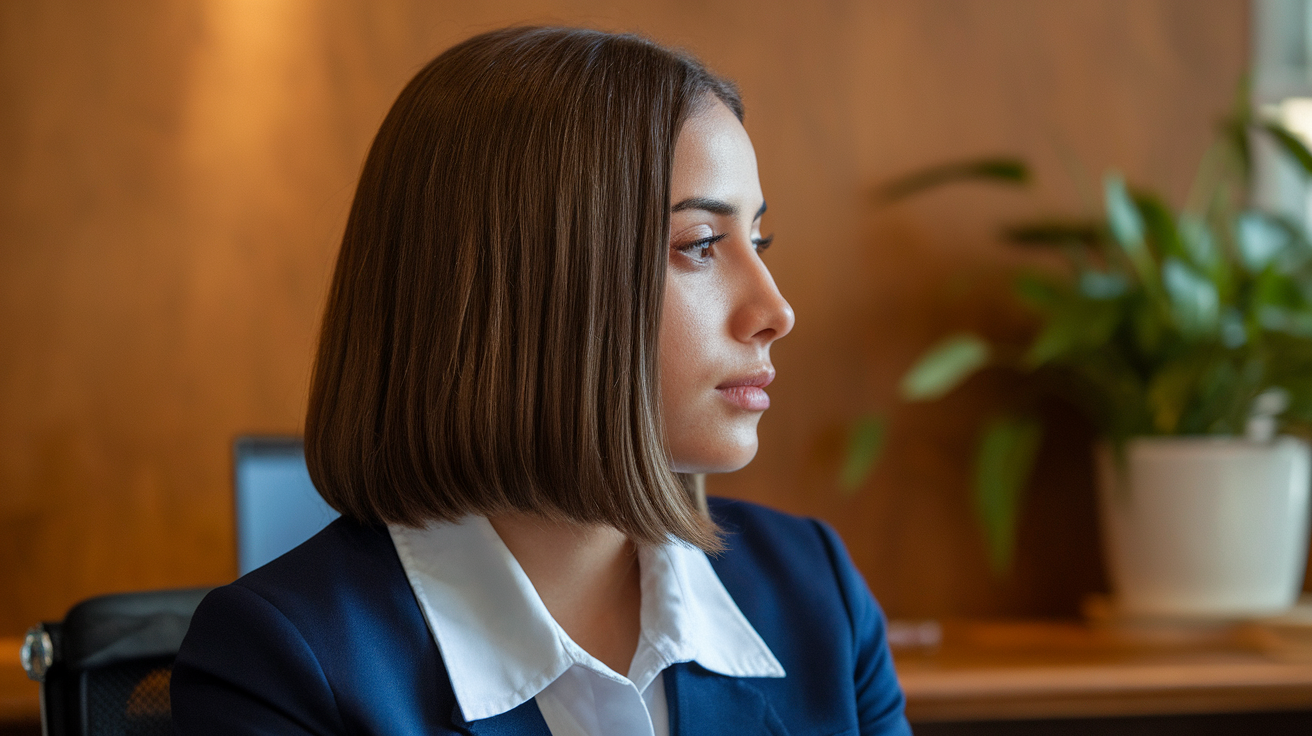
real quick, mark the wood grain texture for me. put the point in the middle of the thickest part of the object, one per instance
(20, 697)
(176, 175)
(1033, 669)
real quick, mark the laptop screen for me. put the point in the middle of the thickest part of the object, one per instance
(277, 505)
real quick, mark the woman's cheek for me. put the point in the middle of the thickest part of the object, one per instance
(697, 353)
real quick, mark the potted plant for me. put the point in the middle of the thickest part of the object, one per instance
(1185, 337)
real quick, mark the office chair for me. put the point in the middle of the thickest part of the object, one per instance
(105, 669)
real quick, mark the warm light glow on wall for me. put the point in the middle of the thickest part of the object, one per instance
(244, 77)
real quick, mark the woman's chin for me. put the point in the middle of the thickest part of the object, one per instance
(720, 457)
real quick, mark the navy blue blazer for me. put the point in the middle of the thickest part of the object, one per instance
(328, 639)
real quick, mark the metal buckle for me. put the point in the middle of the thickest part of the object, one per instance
(38, 653)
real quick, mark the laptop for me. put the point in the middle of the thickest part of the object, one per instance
(277, 504)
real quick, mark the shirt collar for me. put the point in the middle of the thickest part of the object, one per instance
(501, 646)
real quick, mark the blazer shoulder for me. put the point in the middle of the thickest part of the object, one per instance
(345, 580)
(738, 515)
(342, 554)
(331, 627)
(793, 579)
(757, 530)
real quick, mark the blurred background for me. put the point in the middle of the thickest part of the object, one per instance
(175, 177)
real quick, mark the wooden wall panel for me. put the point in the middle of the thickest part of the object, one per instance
(174, 176)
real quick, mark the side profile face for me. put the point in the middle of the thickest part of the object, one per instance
(722, 309)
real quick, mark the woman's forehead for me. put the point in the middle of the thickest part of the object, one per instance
(714, 159)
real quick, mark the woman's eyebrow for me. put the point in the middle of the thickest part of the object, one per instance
(713, 206)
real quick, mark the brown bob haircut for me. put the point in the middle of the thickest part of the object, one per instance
(490, 339)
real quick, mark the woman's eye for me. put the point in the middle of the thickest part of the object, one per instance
(701, 249)
(762, 243)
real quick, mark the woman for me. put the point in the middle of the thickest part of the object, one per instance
(548, 314)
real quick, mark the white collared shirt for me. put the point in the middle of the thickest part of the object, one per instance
(501, 646)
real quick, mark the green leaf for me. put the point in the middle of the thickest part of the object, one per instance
(1207, 252)
(999, 170)
(1003, 464)
(1039, 292)
(1234, 131)
(1148, 329)
(1101, 286)
(1057, 338)
(1295, 231)
(864, 446)
(1203, 253)
(1170, 390)
(1072, 328)
(1261, 239)
(1194, 301)
(944, 367)
(1291, 145)
(1127, 227)
(1122, 215)
(1234, 333)
(1056, 232)
(1297, 323)
(1216, 390)
(1159, 224)
(1274, 289)
(1199, 246)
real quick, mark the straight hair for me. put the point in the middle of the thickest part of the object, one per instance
(490, 340)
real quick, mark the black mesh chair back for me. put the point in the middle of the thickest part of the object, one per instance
(105, 669)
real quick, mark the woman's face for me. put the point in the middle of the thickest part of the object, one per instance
(722, 310)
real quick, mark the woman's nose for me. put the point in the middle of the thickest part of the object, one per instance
(762, 315)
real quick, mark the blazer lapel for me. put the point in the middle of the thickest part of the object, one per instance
(703, 703)
(522, 720)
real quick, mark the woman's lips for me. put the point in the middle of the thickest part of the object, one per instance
(748, 393)
(750, 398)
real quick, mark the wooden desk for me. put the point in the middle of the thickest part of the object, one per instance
(1049, 670)
(19, 696)
(1028, 670)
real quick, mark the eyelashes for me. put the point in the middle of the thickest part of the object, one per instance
(701, 249)
(703, 245)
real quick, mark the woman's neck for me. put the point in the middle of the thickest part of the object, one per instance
(588, 578)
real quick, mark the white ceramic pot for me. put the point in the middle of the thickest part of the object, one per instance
(1205, 526)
